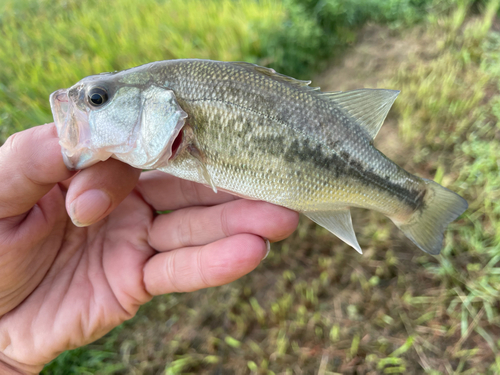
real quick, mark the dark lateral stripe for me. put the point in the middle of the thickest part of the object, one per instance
(340, 166)
(337, 162)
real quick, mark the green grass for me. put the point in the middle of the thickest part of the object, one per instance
(314, 304)
(52, 44)
(454, 129)
(49, 44)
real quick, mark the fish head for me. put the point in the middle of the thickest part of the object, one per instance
(122, 115)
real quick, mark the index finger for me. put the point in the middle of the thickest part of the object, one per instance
(30, 165)
(166, 192)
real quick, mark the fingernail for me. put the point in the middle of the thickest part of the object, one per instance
(89, 207)
(268, 248)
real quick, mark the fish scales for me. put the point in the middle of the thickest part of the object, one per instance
(256, 133)
(271, 132)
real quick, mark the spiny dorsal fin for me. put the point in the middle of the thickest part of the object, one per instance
(275, 75)
(368, 106)
(338, 222)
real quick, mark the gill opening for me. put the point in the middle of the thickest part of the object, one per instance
(176, 144)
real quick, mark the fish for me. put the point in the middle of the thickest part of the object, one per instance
(249, 130)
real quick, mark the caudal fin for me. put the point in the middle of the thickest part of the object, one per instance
(427, 224)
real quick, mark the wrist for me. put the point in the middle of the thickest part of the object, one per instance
(11, 367)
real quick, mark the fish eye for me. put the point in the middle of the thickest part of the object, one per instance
(97, 96)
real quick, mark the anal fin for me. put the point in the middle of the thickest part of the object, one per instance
(338, 222)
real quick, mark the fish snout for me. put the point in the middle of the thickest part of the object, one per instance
(73, 130)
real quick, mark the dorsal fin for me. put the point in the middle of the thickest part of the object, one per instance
(276, 76)
(368, 106)
(338, 222)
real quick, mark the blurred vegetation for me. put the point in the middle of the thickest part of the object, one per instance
(49, 44)
(314, 305)
(335, 24)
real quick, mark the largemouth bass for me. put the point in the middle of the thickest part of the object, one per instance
(248, 130)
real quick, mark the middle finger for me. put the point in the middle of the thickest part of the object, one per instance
(166, 192)
(197, 226)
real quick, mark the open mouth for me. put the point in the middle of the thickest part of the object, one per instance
(59, 104)
(73, 131)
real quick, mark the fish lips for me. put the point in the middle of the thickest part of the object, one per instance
(73, 130)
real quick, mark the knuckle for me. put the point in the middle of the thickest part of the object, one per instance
(170, 276)
(11, 145)
(201, 269)
(190, 192)
(185, 228)
(19, 150)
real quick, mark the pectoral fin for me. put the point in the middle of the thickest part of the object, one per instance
(202, 168)
(338, 222)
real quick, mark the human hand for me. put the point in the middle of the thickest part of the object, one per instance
(63, 286)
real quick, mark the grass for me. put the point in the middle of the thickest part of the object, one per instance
(53, 44)
(49, 44)
(454, 130)
(314, 305)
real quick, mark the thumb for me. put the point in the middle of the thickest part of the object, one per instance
(31, 164)
(96, 191)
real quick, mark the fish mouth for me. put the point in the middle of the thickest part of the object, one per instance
(144, 148)
(73, 130)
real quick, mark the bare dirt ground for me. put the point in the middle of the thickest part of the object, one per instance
(371, 63)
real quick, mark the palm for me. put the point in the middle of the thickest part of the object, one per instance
(94, 283)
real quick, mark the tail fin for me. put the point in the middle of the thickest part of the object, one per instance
(427, 224)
